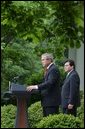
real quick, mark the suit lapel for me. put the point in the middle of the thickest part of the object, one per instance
(69, 74)
(48, 70)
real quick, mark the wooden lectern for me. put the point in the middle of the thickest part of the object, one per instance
(23, 98)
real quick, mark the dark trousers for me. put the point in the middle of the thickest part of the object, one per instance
(72, 111)
(50, 110)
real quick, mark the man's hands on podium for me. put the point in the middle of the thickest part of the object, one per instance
(30, 88)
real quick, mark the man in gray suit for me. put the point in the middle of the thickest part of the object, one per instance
(70, 94)
(50, 87)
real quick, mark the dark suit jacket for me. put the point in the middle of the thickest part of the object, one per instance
(50, 88)
(71, 90)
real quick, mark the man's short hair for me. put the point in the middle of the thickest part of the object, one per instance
(71, 62)
(48, 56)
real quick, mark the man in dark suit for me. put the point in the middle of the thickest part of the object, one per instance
(50, 87)
(70, 95)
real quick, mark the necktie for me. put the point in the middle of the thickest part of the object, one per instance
(67, 75)
(45, 71)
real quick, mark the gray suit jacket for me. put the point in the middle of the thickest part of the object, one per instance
(70, 93)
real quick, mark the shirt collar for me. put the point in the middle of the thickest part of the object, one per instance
(49, 65)
(70, 72)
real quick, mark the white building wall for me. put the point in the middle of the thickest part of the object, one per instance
(78, 56)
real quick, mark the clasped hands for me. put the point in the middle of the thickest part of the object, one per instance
(30, 88)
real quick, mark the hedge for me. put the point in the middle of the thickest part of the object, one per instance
(35, 114)
(8, 116)
(36, 119)
(59, 121)
(80, 111)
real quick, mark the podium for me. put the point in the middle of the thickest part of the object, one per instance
(23, 98)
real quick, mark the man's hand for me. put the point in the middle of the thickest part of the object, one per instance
(30, 88)
(70, 106)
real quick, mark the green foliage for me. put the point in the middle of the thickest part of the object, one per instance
(35, 110)
(35, 114)
(27, 31)
(8, 116)
(36, 119)
(27, 20)
(59, 121)
(65, 27)
(35, 78)
(63, 75)
(19, 60)
(80, 110)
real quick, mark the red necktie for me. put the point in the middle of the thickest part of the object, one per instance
(45, 71)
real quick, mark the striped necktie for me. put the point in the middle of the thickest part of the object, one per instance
(67, 75)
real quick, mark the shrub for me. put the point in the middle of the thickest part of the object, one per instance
(80, 110)
(8, 116)
(35, 78)
(36, 119)
(35, 114)
(59, 121)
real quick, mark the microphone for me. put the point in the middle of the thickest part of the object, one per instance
(15, 79)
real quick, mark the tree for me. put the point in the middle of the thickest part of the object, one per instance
(38, 21)
(29, 28)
